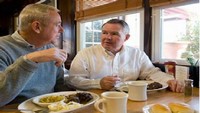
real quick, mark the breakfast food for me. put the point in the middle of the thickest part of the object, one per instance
(64, 102)
(159, 108)
(72, 101)
(51, 99)
(81, 98)
(64, 106)
(84, 97)
(180, 108)
(171, 108)
(154, 85)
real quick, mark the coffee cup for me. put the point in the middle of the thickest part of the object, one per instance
(137, 90)
(112, 102)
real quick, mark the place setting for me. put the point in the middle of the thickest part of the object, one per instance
(171, 107)
(59, 102)
(151, 85)
(135, 91)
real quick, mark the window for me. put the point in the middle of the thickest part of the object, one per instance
(176, 33)
(90, 31)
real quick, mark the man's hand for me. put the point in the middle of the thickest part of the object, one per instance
(109, 82)
(52, 54)
(175, 86)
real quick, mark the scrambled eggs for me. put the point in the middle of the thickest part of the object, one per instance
(64, 106)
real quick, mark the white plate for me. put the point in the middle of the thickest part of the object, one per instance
(146, 109)
(28, 104)
(120, 84)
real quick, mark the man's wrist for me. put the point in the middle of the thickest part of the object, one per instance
(25, 58)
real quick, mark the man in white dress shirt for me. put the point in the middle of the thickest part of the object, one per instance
(101, 66)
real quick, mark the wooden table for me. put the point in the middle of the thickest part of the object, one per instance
(163, 96)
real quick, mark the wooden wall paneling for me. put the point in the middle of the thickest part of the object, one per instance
(5, 24)
(9, 9)
(154, 3)
(68, 38)
(133, 4)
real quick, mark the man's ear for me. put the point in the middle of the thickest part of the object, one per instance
(127, 37)
(36, 26)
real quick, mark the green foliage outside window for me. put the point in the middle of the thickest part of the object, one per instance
(192, 35)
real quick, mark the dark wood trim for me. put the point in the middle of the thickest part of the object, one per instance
(8, 10)
(147, 28)
(67, 8)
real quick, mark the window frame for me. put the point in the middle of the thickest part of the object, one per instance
(157, 36)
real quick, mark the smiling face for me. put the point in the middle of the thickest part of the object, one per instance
(113, 37)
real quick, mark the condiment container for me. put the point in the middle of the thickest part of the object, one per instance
(188, 89)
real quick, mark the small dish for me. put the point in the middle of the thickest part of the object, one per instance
(48, 99)
(146, 108)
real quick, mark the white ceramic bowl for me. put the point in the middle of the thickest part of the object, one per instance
(49, 97)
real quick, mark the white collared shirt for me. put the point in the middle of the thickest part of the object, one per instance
(93, 63)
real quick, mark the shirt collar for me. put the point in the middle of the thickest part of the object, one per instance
(17, 37)
(110, 53)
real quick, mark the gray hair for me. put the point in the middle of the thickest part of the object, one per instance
(32, 12)
(124, 25)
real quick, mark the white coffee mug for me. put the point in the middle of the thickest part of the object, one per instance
(137, 90)
(113, 102)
